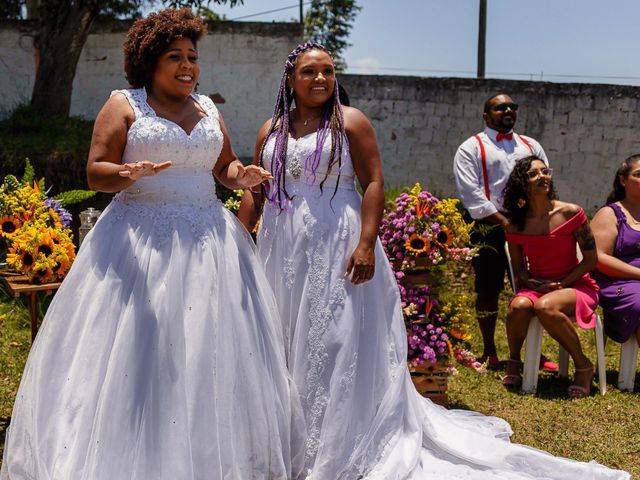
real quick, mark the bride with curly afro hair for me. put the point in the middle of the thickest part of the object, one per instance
(161, 356)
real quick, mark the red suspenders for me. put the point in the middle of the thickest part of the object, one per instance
(483, 155)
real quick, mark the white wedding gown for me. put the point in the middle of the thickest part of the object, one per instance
(161, 356)
(347, 352)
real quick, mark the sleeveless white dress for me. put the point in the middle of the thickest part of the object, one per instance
(347, 351)
(161, 355)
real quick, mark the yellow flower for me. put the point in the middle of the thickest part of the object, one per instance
(416, 244)
(9, 225)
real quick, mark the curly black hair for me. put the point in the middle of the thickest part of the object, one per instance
(517, 190)
(149, 37)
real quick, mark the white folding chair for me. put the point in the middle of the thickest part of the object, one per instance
(533, 349)
(628, 364)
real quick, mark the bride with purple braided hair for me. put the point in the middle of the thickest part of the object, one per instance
(344, 334)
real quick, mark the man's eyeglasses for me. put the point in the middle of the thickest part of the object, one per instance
(547, 172)
(503, 107)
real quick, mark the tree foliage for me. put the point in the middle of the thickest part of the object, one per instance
(62, 30)
(329, 22)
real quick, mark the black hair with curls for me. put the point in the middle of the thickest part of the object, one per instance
(149, 37)
(517, 190)
(619, 193)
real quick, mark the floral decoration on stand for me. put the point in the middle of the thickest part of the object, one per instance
(233, 202)
(420, 232)
(35, 228)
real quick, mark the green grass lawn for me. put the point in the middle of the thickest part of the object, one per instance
(606, 429)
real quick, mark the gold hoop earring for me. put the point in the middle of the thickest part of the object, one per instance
(521, 203)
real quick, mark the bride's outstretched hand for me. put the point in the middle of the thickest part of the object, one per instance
(252, 175)
(145, 168)
(361, 264)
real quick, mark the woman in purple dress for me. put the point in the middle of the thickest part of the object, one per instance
(616, 228)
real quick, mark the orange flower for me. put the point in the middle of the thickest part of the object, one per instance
(427, 307)
(460, 334)
(422, 208)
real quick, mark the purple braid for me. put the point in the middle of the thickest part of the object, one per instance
(332, 122)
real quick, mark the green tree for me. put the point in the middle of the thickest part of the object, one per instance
(329, 22)
(62, 30)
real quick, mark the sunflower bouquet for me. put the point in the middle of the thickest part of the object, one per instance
(421, 231)
(35, 229)
(419, 228)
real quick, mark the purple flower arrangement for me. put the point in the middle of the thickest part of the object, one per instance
(419, 230)
(63, 213)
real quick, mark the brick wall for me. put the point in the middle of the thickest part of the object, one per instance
(240, 61)
(585, 129)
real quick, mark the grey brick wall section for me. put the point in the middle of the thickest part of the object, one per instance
(585, 129)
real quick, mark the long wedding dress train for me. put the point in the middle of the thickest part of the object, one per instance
(346, 347)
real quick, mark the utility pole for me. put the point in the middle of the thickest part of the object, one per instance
(301, 12)
(482, 37)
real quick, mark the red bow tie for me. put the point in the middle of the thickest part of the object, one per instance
(504, 136)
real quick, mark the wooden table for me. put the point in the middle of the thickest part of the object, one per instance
(19, 284)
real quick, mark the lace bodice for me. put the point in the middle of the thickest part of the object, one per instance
(186, 191)
(189, 180)
(300, 153)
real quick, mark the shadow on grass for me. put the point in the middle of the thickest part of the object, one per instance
(4, 423)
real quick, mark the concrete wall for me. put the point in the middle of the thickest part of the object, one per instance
(586, 130)
(240, 62)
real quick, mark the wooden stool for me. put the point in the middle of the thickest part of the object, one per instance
(19, 284)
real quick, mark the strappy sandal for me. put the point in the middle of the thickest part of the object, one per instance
(512, 380)
(578, 391)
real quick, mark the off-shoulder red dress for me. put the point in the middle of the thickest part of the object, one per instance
(551, 257)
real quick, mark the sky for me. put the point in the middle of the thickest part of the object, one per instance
(593, 41)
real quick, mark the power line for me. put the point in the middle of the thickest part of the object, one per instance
(471, 72)
(297, 5)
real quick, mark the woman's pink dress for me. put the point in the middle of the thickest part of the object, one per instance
(551, 257)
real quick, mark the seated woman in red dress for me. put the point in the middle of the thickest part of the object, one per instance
(553, 284)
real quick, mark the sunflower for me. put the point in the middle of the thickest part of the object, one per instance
(42, 275)
(9, 225)
(444, 237)
(416, 243)
(45, 244)
(21, 260)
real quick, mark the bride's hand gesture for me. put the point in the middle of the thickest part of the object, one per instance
(251, 175)
(145, 168)
(361, 264)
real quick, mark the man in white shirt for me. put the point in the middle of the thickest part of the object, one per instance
(481, 168)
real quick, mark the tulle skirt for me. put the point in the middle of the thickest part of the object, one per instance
(160, 357)
(347, 350)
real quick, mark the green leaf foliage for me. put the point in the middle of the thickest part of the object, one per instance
(74, 196)
(12, 182)
(330, 23)
(29, 172)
